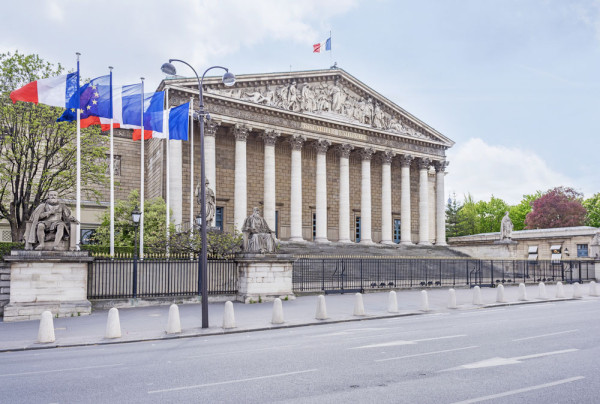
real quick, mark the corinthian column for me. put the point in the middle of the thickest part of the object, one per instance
(440, 211)
(210, 131)
(405, 232)
(365, 197)
(321, 191)
(240, 196)
(296, 189)
(424, 201)
(269, 138)
(343, 151)
(386, 197)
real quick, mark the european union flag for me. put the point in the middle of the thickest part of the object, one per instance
(94, 98)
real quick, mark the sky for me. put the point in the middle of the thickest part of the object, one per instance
(514, 83)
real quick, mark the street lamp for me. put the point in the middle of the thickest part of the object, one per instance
(135, 217)
(229, 80)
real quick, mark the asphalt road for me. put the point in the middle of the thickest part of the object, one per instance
(542, 353)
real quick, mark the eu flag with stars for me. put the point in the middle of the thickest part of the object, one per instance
(94, 100)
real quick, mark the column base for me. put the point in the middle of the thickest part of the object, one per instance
(424, 243)
(296, 240)
(387, 242)
(368, 242)
(406, 243)
(346, 241)
(322, 241)
(442, 243)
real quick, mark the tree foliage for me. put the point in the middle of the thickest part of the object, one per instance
(518, 213)
(592, 205)
(38, 154)
(558, 207)
(453, 217)
(481, 216)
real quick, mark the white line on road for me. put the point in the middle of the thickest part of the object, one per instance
(404, 342)
(426, 353)
(481, 311)
(436, 338)
(240, 351)
(58, 370)
(523, 390)
(544, 335)
(197, 386)
(545, 354)
(498, 361)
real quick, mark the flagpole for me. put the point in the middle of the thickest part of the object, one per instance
(142, 177)
(168, 192)
(192, 164)
(78, 180)
(112, 172)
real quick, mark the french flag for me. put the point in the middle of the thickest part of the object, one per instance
(323, 46)
(124, 97)
(53, 91)
(153, 115)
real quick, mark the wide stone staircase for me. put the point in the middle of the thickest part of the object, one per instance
(366, 250)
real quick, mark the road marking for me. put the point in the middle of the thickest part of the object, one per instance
(486, 311)
(426, 353)
(544, 335)
(347, 332)
(405, 342)
(240, 351)
(197, 386)
(497, 361)
(523, 390)
(58, 370)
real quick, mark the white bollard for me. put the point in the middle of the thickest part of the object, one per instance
(500, 294)
(321, 313)
(392, 302)
(593, 289)
(577, 291)
(560, 290)
(522, 293)
(228, 316)
(46, 330)
(424, 301)
(542, 291)
(277, 317)
(359, 307)
(452, 299)
(477, 300)
(173, 323)
(113, 325)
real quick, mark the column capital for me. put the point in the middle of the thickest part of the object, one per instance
(297, 142)
(240, 132)
(440, 166)
(387, 156)
(210, 128)
(343, 150)
(270, 137)
(405, 160)
(322, 146)
(423, 163)
(366, 153)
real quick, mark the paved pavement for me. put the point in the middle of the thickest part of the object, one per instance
(149, 323)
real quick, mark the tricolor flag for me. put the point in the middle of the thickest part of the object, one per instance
(178, 122)
(53, 91)
(153, 115)
(323, 46)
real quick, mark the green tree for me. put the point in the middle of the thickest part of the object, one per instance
(452, 217)
(480, 216)
(37, 154)
(518, 213)
(592, 205)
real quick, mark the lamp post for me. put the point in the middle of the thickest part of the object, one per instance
(228, 80)
(135, 217)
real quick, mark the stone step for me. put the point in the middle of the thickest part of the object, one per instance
(353, 249)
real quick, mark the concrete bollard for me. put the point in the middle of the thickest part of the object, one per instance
(542, 291)
(173, 323)
(424, 301)
(228, 316)
(560, 290)
(321, 313)
(277, 317)
(522, 293)
(46, 330)
(452, 299)
(500, 294)
(359, 307)
(113, 325)
(477, 299)
(593, 289)
(392, 302)
(577, 291)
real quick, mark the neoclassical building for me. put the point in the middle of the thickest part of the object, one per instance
(325, 158)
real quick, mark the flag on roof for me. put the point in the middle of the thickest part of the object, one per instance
(323, 46)
(53, 91)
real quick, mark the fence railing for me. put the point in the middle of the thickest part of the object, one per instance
(359, 274)
(128, 278)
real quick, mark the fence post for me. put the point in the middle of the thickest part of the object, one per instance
(492, 273)
(135, 274)
(323, 274)
(361, 276)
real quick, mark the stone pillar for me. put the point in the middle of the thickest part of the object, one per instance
(321, 191)
(440, 207)
(424, 201)
(296, 189)
(269, 137)
(365, 197)
(386, 197)
(343, 151)
(405, 219)
(240, 196)
(210, 131)
(176, 181)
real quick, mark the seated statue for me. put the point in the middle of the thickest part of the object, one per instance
(258, 237)
(50, 221)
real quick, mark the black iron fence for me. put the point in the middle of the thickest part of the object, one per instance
(335, 275)
(128, 278)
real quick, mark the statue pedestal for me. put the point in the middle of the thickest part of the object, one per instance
(264, 277)
(47, 280)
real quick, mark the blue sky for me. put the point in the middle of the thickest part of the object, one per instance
(514, 83)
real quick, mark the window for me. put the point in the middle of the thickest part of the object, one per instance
(314, 225)
(357, 229)
(397, 231)
(532, 253)
(582, 250)
(219, 217)
(87, 236)
(556, 251)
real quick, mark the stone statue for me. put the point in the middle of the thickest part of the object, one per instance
(50, 221)
(210, 201)
(258, 237)
(595, 246)
(506, 228)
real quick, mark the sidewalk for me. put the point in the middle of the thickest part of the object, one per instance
(149, 323)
